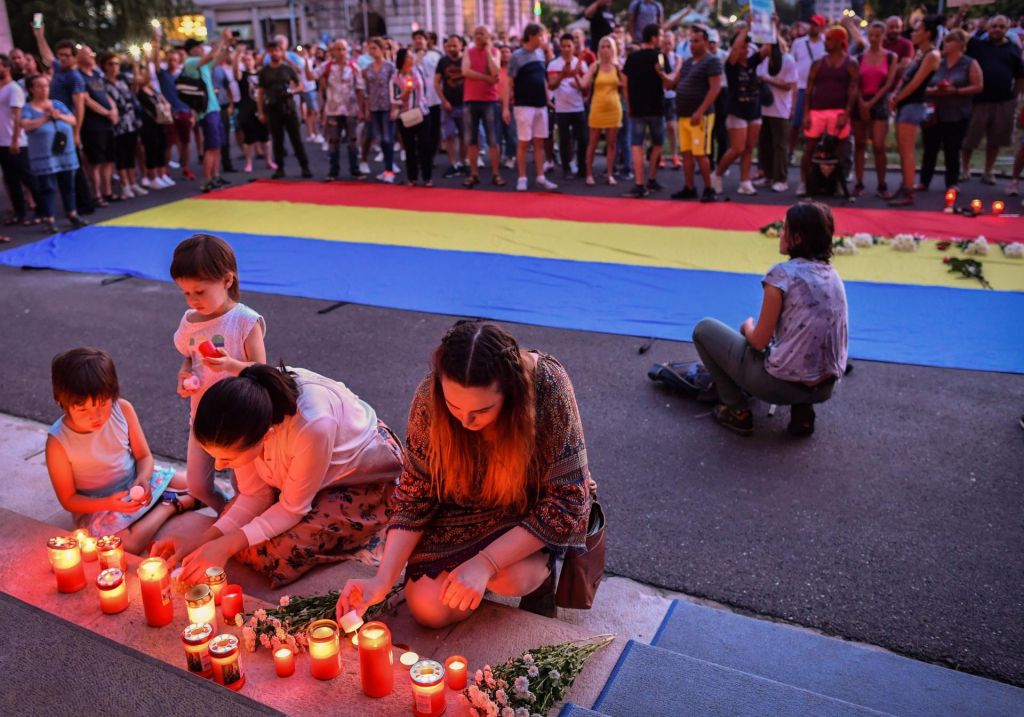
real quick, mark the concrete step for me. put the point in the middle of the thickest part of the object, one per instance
(571, 710)
(654, 682)
(847, 671)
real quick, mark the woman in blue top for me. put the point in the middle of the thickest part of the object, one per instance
(42, 118)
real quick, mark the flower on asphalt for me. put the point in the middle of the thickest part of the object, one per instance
(554, 675)
(285, 600)
(1014, 250)
(249, 638)
(238, 620)
(265, 641)
(260, 615)
(862, 239)
(978, 247)
(501, 698)
(522, 712)
(508, 712)
(533, 671)
(521, 686)
(527, 658)
(904, 242)
(478, 676)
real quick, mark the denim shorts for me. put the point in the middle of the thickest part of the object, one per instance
(451, 122)
(213, 131)
(912, 113)
(639, 124)
(486, 112)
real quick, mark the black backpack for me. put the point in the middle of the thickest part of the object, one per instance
(193, 91)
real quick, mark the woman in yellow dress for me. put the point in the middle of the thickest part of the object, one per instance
(606, 105)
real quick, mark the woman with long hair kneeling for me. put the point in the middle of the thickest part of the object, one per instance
(495, 485)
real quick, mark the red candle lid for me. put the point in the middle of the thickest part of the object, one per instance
(197, 633)
(108, 542)
(427, 673)
(61, 543)
(224, 645)
(109, 579)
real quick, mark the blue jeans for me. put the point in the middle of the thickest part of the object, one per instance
(48, 185)
(507, 137)
(382, 128)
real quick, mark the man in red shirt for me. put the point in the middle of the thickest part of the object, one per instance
(895, 42)
(583, 52)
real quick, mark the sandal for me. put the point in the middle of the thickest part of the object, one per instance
(172, 498)
(100, 202)
(497, 181)
(741, 421)
(590, 182)
(471, 181)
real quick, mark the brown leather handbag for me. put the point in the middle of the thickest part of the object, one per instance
(582, 573)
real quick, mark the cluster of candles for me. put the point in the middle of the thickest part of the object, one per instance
(216, 656)
(977, 206)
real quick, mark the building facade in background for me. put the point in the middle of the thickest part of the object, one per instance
(320, 20)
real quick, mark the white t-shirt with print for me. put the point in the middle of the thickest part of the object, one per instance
(805, 53)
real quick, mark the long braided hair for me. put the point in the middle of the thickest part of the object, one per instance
(465, 469)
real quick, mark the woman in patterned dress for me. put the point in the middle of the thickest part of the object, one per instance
(315, 469)
(495, 484)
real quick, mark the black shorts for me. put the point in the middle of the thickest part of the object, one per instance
(124, 150)
(98, 144)
(253, 131)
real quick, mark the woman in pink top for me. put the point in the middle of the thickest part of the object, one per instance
(877, 76)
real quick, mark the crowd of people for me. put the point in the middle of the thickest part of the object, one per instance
(644, 93)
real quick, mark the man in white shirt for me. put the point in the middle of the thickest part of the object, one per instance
(773, 150)
(564, 73)
(13, 143)
(805, 50)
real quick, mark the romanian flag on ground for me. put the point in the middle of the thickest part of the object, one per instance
(643, 268)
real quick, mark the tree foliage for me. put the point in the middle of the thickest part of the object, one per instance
(97, 23)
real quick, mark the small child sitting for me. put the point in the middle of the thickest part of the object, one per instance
(796, 352)
(96, 454)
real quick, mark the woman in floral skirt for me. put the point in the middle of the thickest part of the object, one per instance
(315, 470)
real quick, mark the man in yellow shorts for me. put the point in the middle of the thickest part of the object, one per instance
(697, 81)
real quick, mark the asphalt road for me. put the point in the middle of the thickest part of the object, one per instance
(898, 524)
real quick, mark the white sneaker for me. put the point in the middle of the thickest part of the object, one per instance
(174, 165)
(480, 163)
(156, 185)
(379, 157)
(548, 166)
(1013, 188)
(126, 192)
(395, 168)
(510, 163)
(746, 188)
(780, 187)
(388, 178)
(760, 182)
(364, 168)
(574, 167)
(544, 183)
(402, 155)
(325, 146)
(168, 181)
(139, 191)
(145, 182)
(716, 182)
(521, 184)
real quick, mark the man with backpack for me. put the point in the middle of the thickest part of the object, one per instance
(195, 82)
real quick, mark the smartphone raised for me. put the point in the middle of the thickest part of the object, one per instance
(37, 20)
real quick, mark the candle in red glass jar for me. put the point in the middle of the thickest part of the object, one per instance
(217, 579)
(66, 561)
(199, 605)
(427, 678)
(113, 591)
(87, 544)
(227, 666)
(998, 207)
(231, 602)
(376, 659)
(284, 662)
(196, 638)
(950, 199)
(155, 582)
(976, 206)
(111, 553)
(324, 649)
(456, 670)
